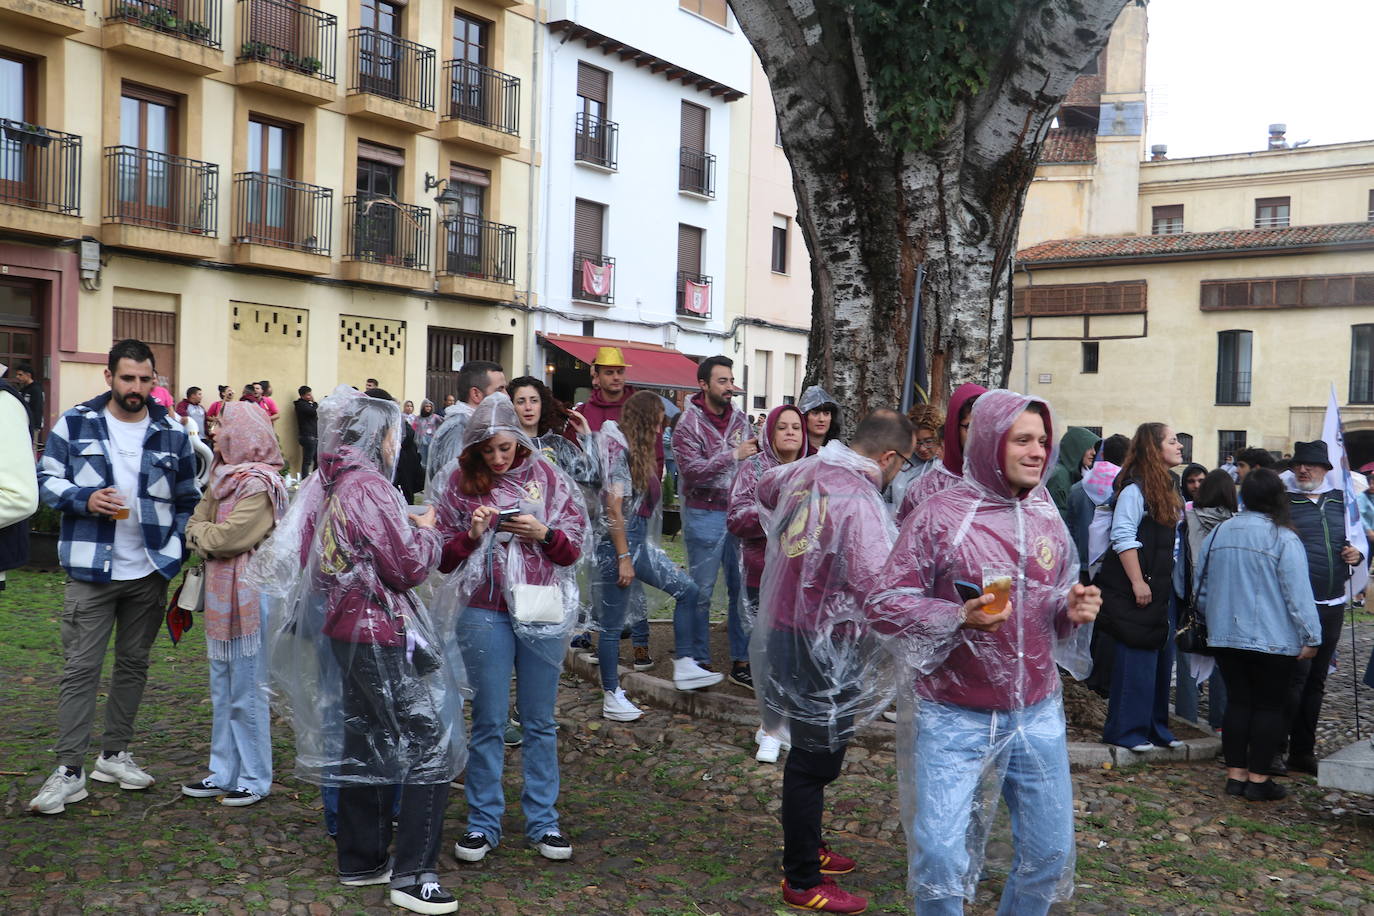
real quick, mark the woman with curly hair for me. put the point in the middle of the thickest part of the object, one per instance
(1137, 592)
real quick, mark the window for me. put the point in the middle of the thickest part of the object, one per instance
(593, 276)
(379, 55)
(467, 99)
(1362, 364)
(791, 377)
(464, 248)
(1185, 441)
(1166, 220)
(780, 244)
(1288, 292)
(1233, 367)
(1371, 207)
(713, 10)
(1229, 441)
(147, 173)
(696, 167)
(470, 38)
(588, 225)
(691, 301)
(1125, 297)
(1090, 357)
(16, 93)
(271, 152)
(596, 133)
(376, 221)
(1271, 212)
(1095, 430)
(763, 372)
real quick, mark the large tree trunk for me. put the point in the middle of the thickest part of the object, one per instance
(871, 210)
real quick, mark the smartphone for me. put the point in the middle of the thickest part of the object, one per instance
(506, 515)
(967, 590)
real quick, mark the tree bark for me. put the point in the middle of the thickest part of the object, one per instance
(870, 211)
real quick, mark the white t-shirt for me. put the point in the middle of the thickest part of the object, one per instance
(131, 560)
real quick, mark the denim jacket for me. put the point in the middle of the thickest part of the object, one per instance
(1251, 585)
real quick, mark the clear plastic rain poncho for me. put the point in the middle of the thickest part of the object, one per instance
(819, 672)
(988, 715)
(447, 442)
(576, 459)
(503, 571)
(371, 681)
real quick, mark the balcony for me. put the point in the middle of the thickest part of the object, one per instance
(698, 305)
(56, 17)
(40, 180)
(479, 259)
(596, 142)
(696, 172)
(281, 224)
(160, 202)
(288, 49)
(183, 34)
(388, 242)
(591, 272)
(1233, 388)
(390, 80)
(483, 108)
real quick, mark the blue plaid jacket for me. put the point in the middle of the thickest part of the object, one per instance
(76, 463)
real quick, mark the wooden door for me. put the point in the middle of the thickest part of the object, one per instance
(146, 187)
(269, 202)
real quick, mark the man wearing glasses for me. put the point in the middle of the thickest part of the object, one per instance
(929, 422)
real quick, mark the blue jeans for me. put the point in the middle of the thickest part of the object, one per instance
(653, 568)
(1186, 693)
(1138, 707)
(1026, 754)
(240, 731)
(490, 651)
(709, 545)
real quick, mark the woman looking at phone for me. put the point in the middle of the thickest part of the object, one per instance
(513, 527)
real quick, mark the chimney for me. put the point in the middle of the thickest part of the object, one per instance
(1159, 152)
(1276, 132)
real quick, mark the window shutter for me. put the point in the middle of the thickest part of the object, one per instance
(588, 225)
(593, 83)
(693, 126)
(688, 249)
(462, 174)
(378, 153)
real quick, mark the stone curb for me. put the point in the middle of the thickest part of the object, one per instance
(880, 735)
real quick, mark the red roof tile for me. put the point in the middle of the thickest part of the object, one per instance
(1196, 244)
(1069, 144)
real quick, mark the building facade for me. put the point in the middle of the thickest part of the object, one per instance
(266, 189)
(1224, 295)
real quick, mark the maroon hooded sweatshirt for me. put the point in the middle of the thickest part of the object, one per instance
(704, 446)
(949, 467)
(742, 518)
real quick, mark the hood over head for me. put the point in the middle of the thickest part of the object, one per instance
(493, 417)
(814, 397)
(993, 417)
(953, 455)
(766, 440)
(358, 431)
(1076, 441)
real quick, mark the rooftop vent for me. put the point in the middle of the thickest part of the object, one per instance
(1276, 140)
(1159, 152)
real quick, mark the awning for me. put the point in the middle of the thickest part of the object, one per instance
(651, 366)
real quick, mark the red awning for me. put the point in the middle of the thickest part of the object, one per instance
(650, 366)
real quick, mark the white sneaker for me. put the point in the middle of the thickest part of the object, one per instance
(617, 708)
(59, 789)
(688, 675)
(769, 747)
(121, 769)
(890, 715)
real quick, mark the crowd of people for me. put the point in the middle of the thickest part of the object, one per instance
(945, 563)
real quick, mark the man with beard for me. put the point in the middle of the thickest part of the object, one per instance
(1318, 515)
(121, 471)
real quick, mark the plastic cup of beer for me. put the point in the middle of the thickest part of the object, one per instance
(123, 511)
(997, 583)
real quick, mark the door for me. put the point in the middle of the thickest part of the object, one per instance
(378, 52)
(593, 95)
(274, 29)
(20, 310)
(465, 248)
(17, 158)
(448, 349)
(469, 101)
(145, 186)
(269, 201)
(692, 155)
(375, 222)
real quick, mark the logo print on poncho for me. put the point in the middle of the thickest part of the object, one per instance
(800, 531)
(532, 491)
(1044, 552)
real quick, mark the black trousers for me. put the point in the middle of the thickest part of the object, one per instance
(1256, 688)
(308, 446)
(375, 738)
(804, 779)
(1307, 687)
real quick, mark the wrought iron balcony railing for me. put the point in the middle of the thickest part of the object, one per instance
(478, 248)
(194, 20)
(383, 231)
(39, 168)
(289, 35)
(686, 306)
(587, 265)
(481, 95)
(159, 190)
(391, 67)
(596, 141)
(696, 171)
(282, 213)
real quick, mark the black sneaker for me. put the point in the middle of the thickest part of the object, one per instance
(473, 847)
(424, 898)
(554, 846)
(741, 675)
(1235, 787)
(582, 641)
(1264, 791)
(203, 789)
(1302, 763)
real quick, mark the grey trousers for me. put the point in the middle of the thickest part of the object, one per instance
(134, 609)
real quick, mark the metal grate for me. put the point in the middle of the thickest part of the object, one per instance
(578, 292)
(383, 231)
(282, 213)
(160, 190)
(597, 141)
(39, 168)
(392, 67)
(479, 248)
(696, 171)
(193, 20)
(482, 96)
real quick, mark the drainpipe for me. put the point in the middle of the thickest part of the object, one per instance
(1030, 321)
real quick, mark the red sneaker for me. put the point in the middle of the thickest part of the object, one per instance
(826, 897)
(832, 863)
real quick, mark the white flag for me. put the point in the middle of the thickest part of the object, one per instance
(1339, 478)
